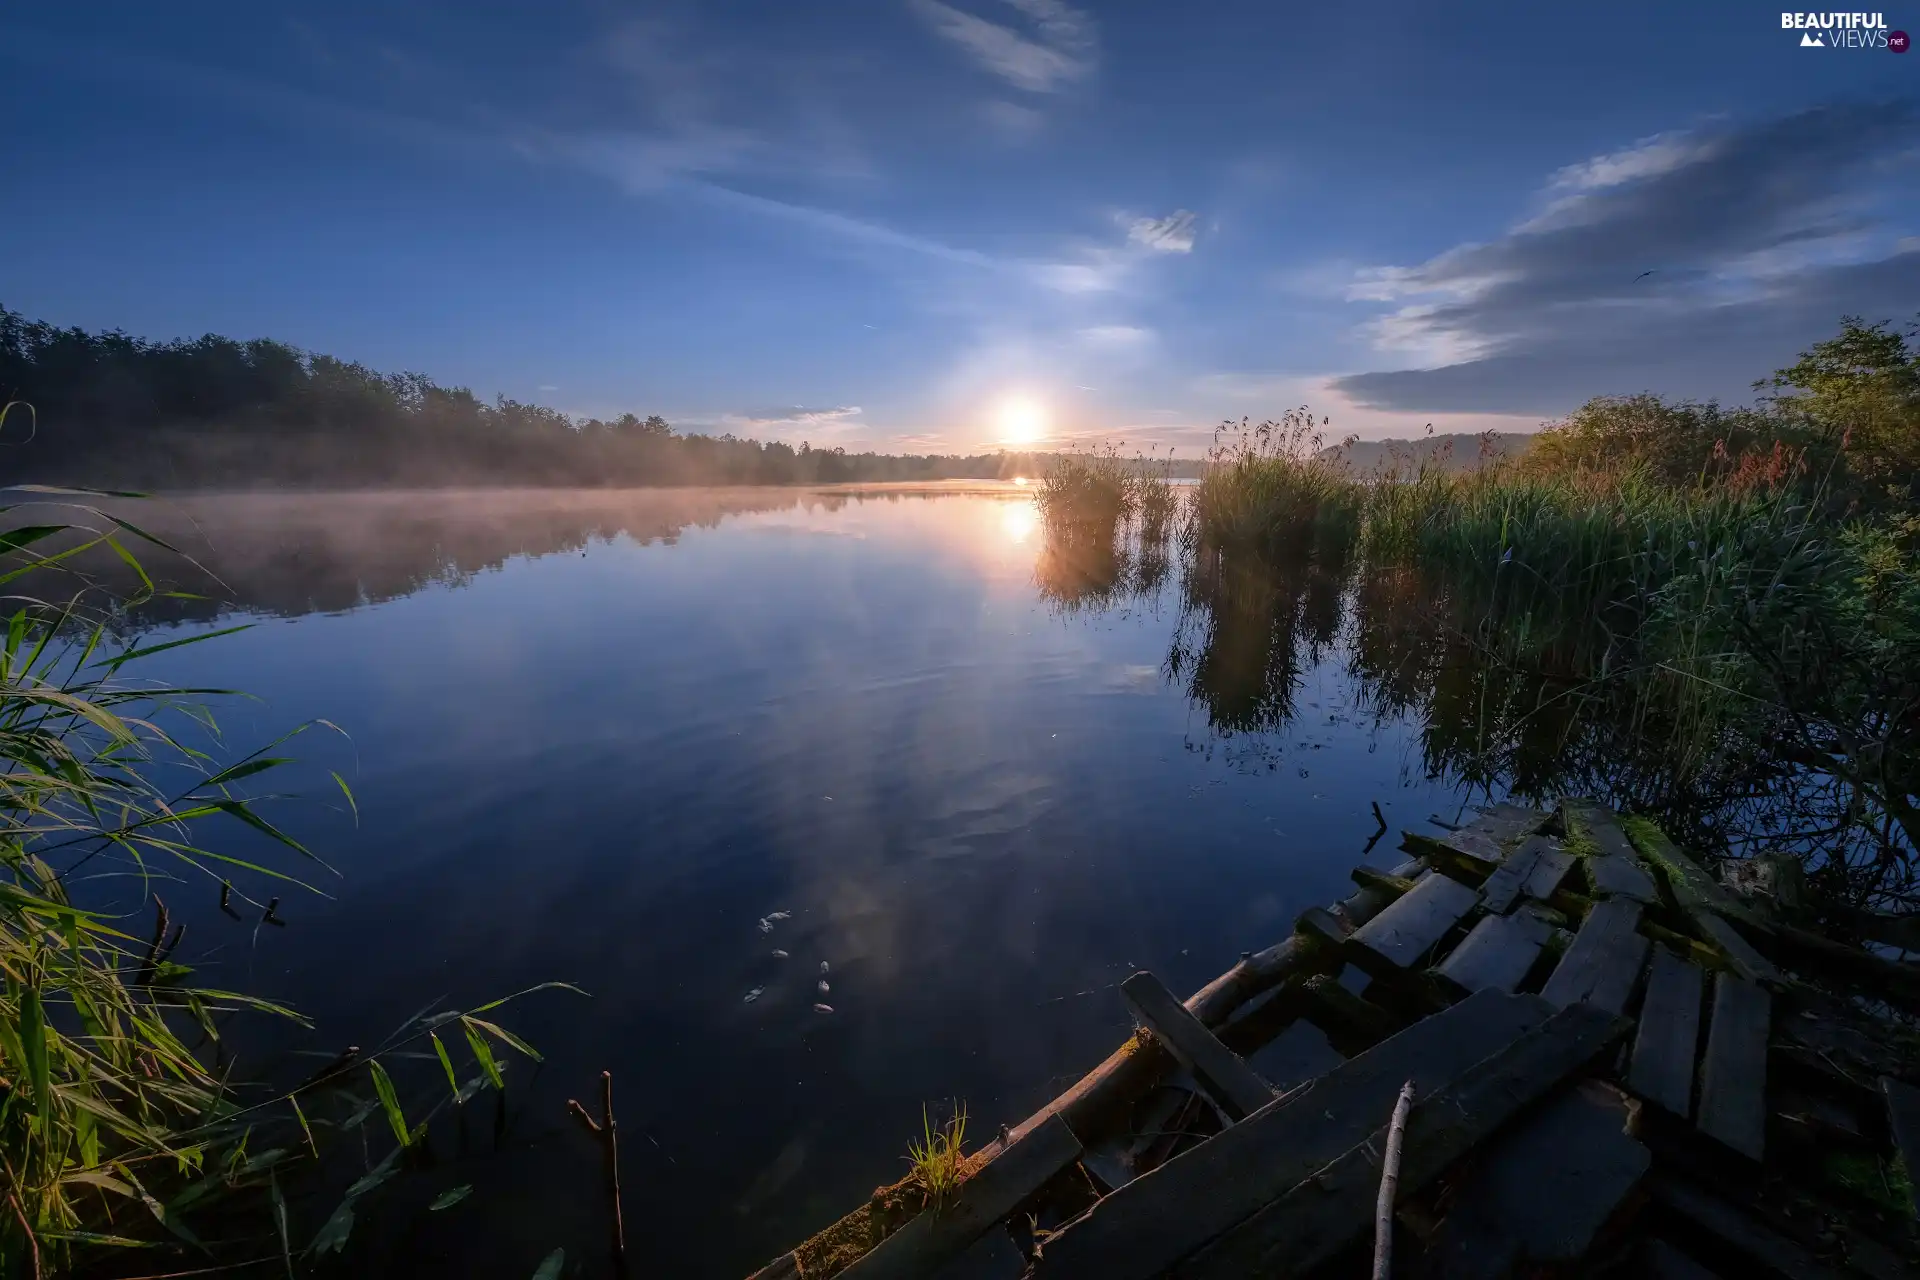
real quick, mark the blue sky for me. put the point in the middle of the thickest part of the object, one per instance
(876, 222)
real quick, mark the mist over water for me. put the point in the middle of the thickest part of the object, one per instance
(600, 737)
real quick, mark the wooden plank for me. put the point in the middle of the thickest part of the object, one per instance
(1502, 889)
(1407, 930)
(1746, 962)
(1903, 1118)
(1733, 1079)
(1765, 1250)
(1613, 868)
(1603, 963)
(1498, 952)
(1548, 871)
(784, 1267)
(1322, 1215)
(1507, 823)
(930, 1238)
(1669, 1034)
(1162, 1216)
(1540, 1193)
(1615, 877)
(1221, 1071)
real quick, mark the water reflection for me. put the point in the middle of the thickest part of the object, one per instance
(288, 554)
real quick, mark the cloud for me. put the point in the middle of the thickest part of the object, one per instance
(1057, 49)
(1171, 234)
(1752, 237)
(798, 416)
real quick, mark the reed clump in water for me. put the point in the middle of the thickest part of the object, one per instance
(1096, 489)
(1740, 590)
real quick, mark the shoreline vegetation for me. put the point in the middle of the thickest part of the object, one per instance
(130, 1143)
(1716, 610)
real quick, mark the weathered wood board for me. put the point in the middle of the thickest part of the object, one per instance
(1162, 1216)
(1399, 936)
(1733, 1077)
(929, 1239)
(1668, 1038)
(1507, 823)
(1614, 870)
(1498, 952)
(1312, 1222)
(1540, 1193)
(1503, 888)
(1548, 871)
(1903, 1119)
(1233, 1084)
(1603, 963)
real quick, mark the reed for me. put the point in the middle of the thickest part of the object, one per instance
(120, 1128)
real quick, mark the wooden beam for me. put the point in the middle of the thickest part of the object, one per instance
(935, 1235)
(1399, 936)
(1903, 1118)
(1733, 1078)
(1352, 1025)
(1669, 1034)
(1603, 963)
(1498, 953)
(1322, 1215)
(1221, 1071)
(1692, 887)
(1162, 1216)
(1368, 878)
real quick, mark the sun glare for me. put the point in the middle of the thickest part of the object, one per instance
(1022, 421)
(1017, 520)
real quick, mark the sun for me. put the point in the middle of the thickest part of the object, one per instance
(1022, 420)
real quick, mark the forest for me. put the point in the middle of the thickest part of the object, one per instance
(110, 409)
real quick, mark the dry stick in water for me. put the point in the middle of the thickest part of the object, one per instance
(1389, 1183)
(607, 1131)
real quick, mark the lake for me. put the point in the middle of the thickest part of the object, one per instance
(641, 741)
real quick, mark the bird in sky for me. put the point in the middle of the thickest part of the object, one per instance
(1644, 274)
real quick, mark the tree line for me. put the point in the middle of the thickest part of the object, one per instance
(107, 408)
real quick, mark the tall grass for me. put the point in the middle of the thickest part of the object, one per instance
(1270, 489)
(1734, 624)
(1094, 490)
(120, 1126)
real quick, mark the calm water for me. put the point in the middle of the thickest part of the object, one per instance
(599, 737)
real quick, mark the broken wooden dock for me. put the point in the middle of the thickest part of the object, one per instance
(1620, 1067)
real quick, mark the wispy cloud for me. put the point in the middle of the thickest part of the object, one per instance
(1171, 234)
(798, 416)
(1056, 48)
